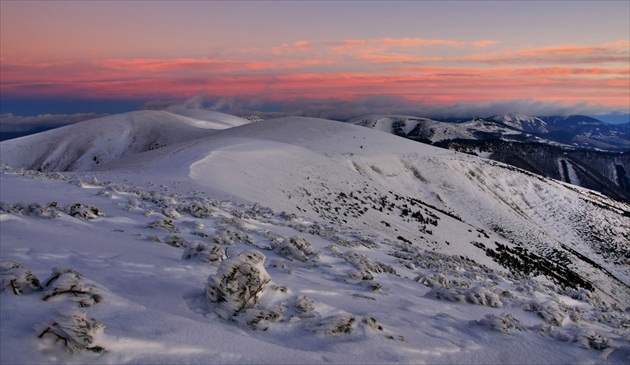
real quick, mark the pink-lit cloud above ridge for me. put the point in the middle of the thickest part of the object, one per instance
(285, 51)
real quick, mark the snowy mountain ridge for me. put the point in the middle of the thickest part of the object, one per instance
(433, 131)
(546, 146)
(523, 122)
(569, 132)
(83, 145)
(305, 240)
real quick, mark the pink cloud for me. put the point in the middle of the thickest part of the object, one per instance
(345, 69)
(575, 49)
(544, 72)
(434, 87)
(617, 52)
(299, 46)
(484, 43)
(411, 42)
(415, 42)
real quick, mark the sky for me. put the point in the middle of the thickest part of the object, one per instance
(432, 57)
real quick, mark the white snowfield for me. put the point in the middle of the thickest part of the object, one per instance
(297, 240)
(509, 127)
(81, 146)
(431, 130)
(523, 122)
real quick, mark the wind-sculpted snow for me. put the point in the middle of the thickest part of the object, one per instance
(348, 293)
(301, 240)
(17, 278)
(81, 146)
(424, 188)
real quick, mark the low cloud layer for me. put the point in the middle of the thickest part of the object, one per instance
(346, 109)
(14, 125)
(10, 123)
(196, 102)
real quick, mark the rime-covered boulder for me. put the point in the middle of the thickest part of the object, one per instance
(238, 284)
(68, 282)
(75, 331)
(296, 248)
(85, 212)
(206, 253)
(17, 278)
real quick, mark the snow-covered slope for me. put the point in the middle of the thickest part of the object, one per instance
(296, 163)
(544, 148)
(522, 122)
(86, 144)
(215, 120)
(302, 240)
(391, 123)
(433, 131)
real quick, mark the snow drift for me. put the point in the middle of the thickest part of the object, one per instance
(86, 144)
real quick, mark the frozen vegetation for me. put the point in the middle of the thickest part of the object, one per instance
(300, 240)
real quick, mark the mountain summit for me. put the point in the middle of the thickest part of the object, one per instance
(83, 145)
(522, 122)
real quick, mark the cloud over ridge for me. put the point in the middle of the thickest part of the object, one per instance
(428, 71)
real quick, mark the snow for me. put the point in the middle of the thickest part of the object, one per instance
(509, 127)
(371, 246)
(84, 145)
(211, 119)
(522, 122)
(570, 169)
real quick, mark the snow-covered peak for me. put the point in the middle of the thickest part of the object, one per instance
(215, 119)
(400, 125)
(81, 146)
(522, 122)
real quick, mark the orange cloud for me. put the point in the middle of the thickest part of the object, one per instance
(129, 69)
(348, 43)
(437, 88)
(484, 43)
(390, 50)
(540, 72)
(224, 66)
(345, 69)
(299, 45)
(616, 52)
(415, 42)
(437, 84)
(411, 42)
(576, 50)
(386, 51)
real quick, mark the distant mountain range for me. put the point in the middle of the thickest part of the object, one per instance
(576, 149)
(576, 131)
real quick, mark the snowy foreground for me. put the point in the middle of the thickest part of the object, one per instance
(306, 241)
